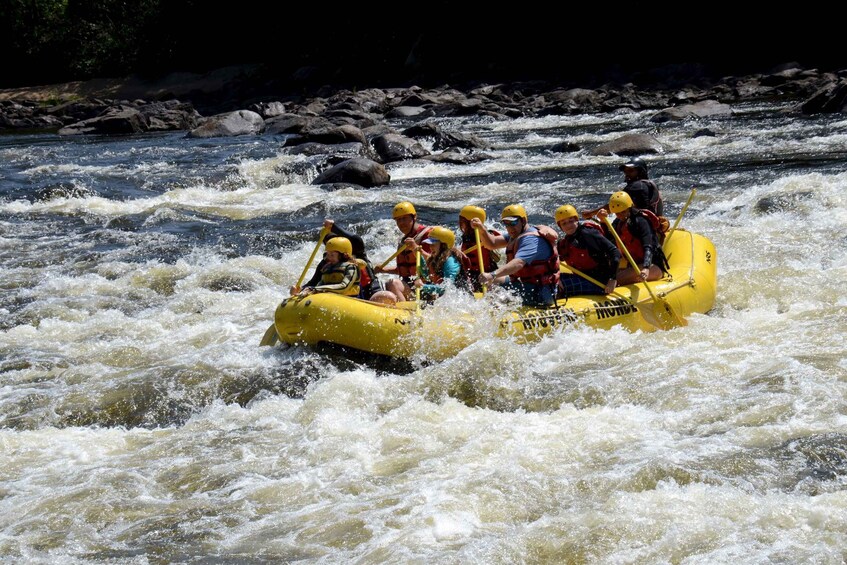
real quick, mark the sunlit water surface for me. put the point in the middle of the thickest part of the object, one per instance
(140, 422)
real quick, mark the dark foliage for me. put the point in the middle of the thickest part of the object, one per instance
(369, 44)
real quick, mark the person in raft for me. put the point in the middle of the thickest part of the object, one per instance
(445, 265)
(490, 257)
(586, 248)
(405, 217)
(369, 284)
(639, 234)
(340, 273)
(643, 191)
(532, 261)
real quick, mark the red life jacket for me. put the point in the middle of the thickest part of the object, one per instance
(633, 243)
(578, 256)
(543, 271)
(364, 275)
(406, 266)
(660, 224)
(487, 258)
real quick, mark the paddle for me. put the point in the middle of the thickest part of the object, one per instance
(479, 255)
(678, 218)
(664, 313)
(418, 268)
(271, 337)
(321, 236)
(396, 253)
(592, 280)
(646, 313)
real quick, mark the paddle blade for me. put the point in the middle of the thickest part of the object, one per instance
(660, 314)
(270, 337)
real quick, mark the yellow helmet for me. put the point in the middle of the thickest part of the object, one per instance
(442, 235)
(565, 212)
(403, 209)
(340, 244)
(513, 210)
(619, 202)
(470, 212)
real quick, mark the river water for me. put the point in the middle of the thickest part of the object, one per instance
(140, 422)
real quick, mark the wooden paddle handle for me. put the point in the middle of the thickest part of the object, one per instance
(321, 236)
(590, 279)
(678, 218)
(396, 253)
(418, 270)
(479, 255)
(629, 258)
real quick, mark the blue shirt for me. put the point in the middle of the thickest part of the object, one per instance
(532, 248)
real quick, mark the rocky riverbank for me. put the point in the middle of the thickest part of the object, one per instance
(183, 101)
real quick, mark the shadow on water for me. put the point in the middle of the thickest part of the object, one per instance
(175, 395)
(349, 359)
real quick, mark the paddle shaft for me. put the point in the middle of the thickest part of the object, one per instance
(479, 255)
(321, 236)
(678, 218)
(396, 253)
(590, 279)
(418, 267)
(629, 258)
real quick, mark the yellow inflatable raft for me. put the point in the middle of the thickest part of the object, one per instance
(400, 331)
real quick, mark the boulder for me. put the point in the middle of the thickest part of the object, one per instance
(630, 144)
(359, 171)
(228, 124)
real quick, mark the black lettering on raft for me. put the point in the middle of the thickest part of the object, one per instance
(614, 307)
(544, 318)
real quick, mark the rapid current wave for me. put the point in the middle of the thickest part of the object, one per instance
(140, 421)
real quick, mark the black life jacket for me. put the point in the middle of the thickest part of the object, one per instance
(654, 199)
(576, 256)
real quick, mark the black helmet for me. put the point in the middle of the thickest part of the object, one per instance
(638, 163)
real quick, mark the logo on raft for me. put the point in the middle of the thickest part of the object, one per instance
(544, 318)
(559, 316)
(612, 308)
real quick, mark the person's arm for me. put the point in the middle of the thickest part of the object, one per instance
(488, 240)
(527, 248)
(513, 266)
(590, 213)
(316, 278)
(416, 244)
(607, 255)
(647, 237)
